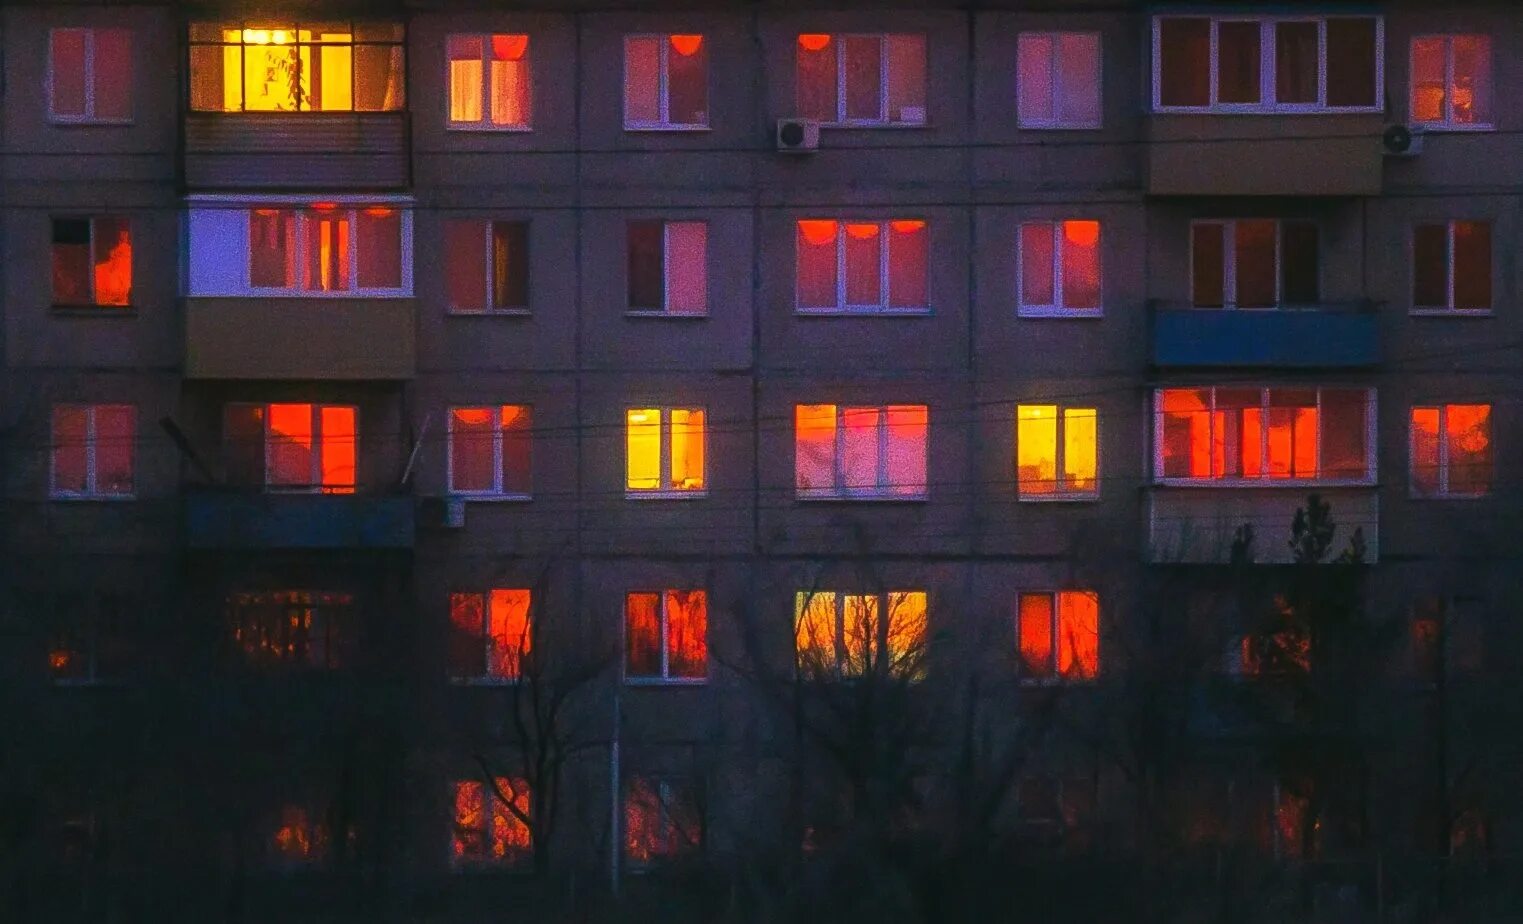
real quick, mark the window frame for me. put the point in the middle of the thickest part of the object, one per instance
(1442, 492)
(1447, 123)
(663, 86)
(486, 678)
(1450, 269)
(842, 655)
(842, 307)
(665, 311)
(669, 790)
(89, 117)
(1053, 76)
(665, 678)
(838, 491)
(340, 625)
(1060, 493)
(315, 487)
(484, 124)
(294, 24)
(498, 435)
(1055, 641)
(667, 493)
(1267, 63)
(461, 863)
(1056, 310)
(95, 305)
(1229, 265)
(92, 491)
(838, 39)
(488, 229)
(350, 211)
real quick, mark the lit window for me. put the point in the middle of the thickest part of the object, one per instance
(291, 447)
(1233, 434)
(486, 265)
(90, 75)
(326, 249)
(300, 837)
(666, 449)
(1451, 266)
(296, 67)
(668, 266)
(1059, 80)
(489, 81)
(855, 635)
(490, 823)
(861, 79)
(293, 628)
(1451, 450)
(850, 452)
(1254, 263)
(662, 820)
(489, 450)
(90, 639)
(666, 635)
(1059, 267)
(92, 262)
(93, 451)
(1056, 450)
(1451, 81)
(489, 634)
(1059, 635)
(866, 266)
(666, 81)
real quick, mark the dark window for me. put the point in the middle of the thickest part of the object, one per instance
(510, 265)
(1238, 62)
(1184, 49)
(1208, 259)
(298, 628)
(646, 272)
(1295, 62)
(1298, 263)
(1472, 265)
(1351, 62)
(1430, 266)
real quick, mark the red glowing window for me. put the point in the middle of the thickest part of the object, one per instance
(491, 823)
(1058, 80)
(666, 81)
(92, 262)
(1058, 634)
(93, 452)
(1451, 450)
(1059, 267)
(1451, 81)
(861, 79)
(843, 452)
(490, 450)
(1252, 434)
(329, 249)
(666, 635)
(90, 75)
(490, 634)
(293, 628)
(300, 837)
(866, 266)
(668, 266)
(662, 820)
(291, 447)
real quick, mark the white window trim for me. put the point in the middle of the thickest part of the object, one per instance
(1061, 492)
(1447, 123)
(488, 268)
(667, 493)
(1228, 228)
(95, 302)
(885, 272)
(663, 92)
(1441, 492)
(838, 40)
(462, 865)
(89, 117)
(665, 311)
(92, 490)
(665, 678)
(485, 679)
(485, 123)
(1055, 310)
(881, 490)
(496, 492)
(1267, 66)
(1370, 445)
(315, 473)
(838, 630)
(1055, 639)
(1450, 310)
(1054, 80)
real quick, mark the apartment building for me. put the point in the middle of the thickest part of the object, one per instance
(412, 407)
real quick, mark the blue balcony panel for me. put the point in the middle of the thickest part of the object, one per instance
(1321, 338)
(218, 520)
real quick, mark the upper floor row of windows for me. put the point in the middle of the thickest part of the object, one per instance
(1226, 63)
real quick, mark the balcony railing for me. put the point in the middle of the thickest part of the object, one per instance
(304, 150)
(1330, 335)
(1190, 154)
(230, 519)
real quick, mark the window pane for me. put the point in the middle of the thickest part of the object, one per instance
(859, 449)
(1344, 433)
(510, 265)
(907, 264)
(1295, 62)
(906, 78)
(642, 639)
(1428, 88)
(243, 443)
(267, 84)
(272, 248)
(331, 80)
(1254, 253)
(1472, 265)
(817, 264)
(687, 647)
(644, 448)
(467, 647)
(1186, 441)
(380, 243)
(907, 428)
(339, 449)
(1036, 449)
(214, 84)
(1351, 61)
(1080, 449)
(860, 628)
(327, 251)
(68, 72)
(1237, 429)
(645, 265)
(471, 449)
(1079, 78)
(115, 445)
(864, 76)
(907, 624)
(687, 267)
(1430, 266)
(1078, 634)
(517, 449)
(687, 80)
(1184, 65)
(291, 446)
(511, 81)
(69, 452)
(1425, 478)
(508, 635)
(1472, 80)
(465, 93)
(815, 93)
(113, 74)
(1291, 433)
(1238, 62)
(1034, 52)
(1034, 632)
(864, 267)
(814, 448)
(1468, 433)
(642, 79)
(1081, 265)
(112, 253)
(1037, 279)
(465, 265)
(687, 450)
(1298, 263)
(1208, 265)
(815, 635)
(71, 261)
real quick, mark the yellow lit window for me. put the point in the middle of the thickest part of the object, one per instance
(852, 635)
(489, 81)
(665, 450)
(1056, 451)
(296, 67)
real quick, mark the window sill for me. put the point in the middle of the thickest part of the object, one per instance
(1059, 126)
(483, 682)
(1452, 313)
(862, 498)
(1262, 111)
(656, 682)
(93, 311)
(862, 312)
(489, 313)
(98, 498)
(1423, 498)
(1298, 484)
(898, 126)
(1072, 313)
(660, 129)
(1057, 498)
(667, 315)
(71, 121)
(1439, 128)
(470, 128)
(351, 294)
(491, 498)
(1056, 681)
(665, 495)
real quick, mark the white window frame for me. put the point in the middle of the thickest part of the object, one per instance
(89, 117)
(485, 123)
(1056, 309)
(496, 492)
(665, 678)
(1447, 123)
(659, 492)
(1267, 24)
(487, 227)
(303, 225)
(881, 599)
(485, 678)
(881, 490)
(838, 41)
(1370, 446)
(663, 90)
(1229, 262)
(1061, 491)
(1054, 77)
(1054, 639)
(1450, 271)
(885, 270)
(665, 311)
(315, 485)
(92, 490)
(95, 301)
(1442, 492)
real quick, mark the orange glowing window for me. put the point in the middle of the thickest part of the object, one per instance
(1056, 451)
(1452, 266)
(666, 635)
(843, 452)
(1451, 81)
(490, 450)
(93, 450)
(1058, 634)
(300, 837)
(862, 80)
(292, 628)
(861, 266)
(489, 81)
(840, 634)
(1252, 434)
(1254, 263)
(491, 822)
(1451, 450)
(490, 634)
(665, 451)
(662, 820)
(92, 262)
(1059, 267)
(292, 447)
(90, 75)
(1058, 80)
(666, 82)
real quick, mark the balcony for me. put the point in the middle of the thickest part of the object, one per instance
(1196, 525)
(336, 339)
(1264, 155)
(240, 520)
(1325, 337)
(308, 150)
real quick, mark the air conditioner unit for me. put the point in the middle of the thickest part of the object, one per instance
(454, 513)
(798, 136)
(1402, 140)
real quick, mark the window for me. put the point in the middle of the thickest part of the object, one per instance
(490, 82)
(1058, 83)
(856, 635)
(1059, 635)
(1056, 450)
(300, 837)
(491, 825)
(90, 639)
(291, 447)
(862, 266)
(489, 634)
(326, 249)
(1430, 629)
(1451, 266)
(665, 451)
(1237, 434)
(1451, 81)
(663, 819)
(93, 450)
(1451, 450)
(1268, 63)
(1253, 263)
(296, 67)
(486, 265)
(666, 82)
(668, 267)
(90, 75)
(666, 635)
(862, 80)
(860, 452)
(1059, 268)
(92, 262)
(489, 450)
(296, 628)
